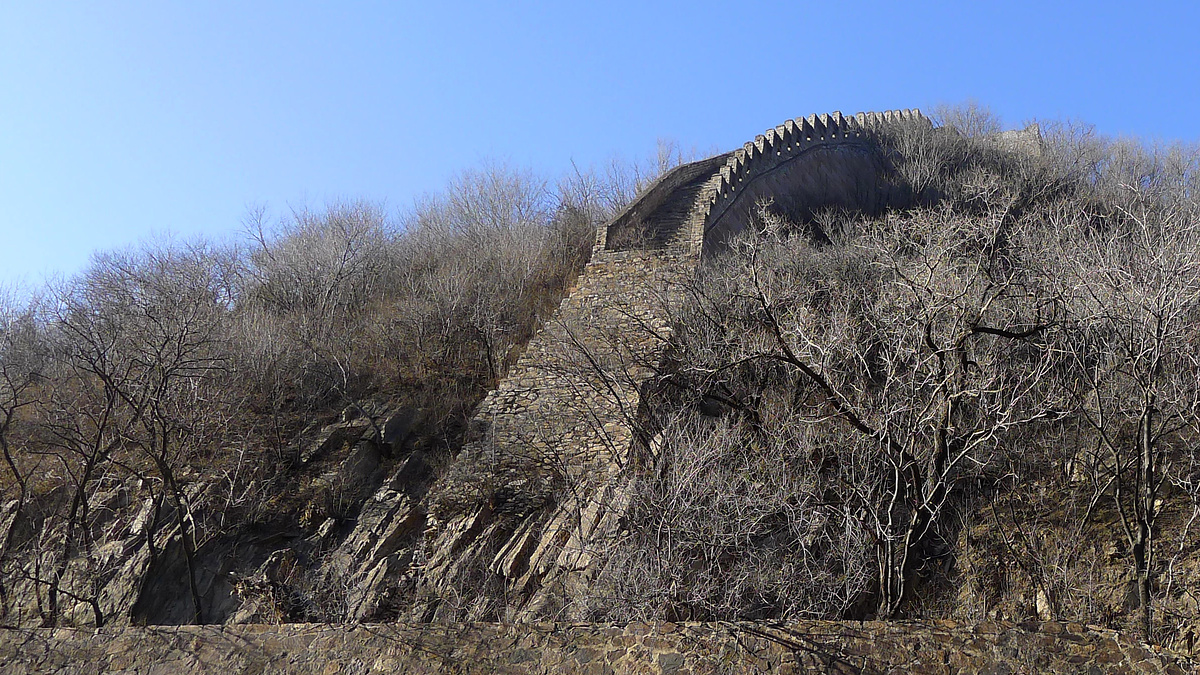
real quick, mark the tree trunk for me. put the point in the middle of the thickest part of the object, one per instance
(1143, 548)
(78, 507)
(184, 519)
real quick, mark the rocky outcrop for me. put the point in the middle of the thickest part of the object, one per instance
(129, 534)
(666, 649)
(8, 522)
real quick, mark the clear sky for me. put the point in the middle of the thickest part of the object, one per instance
(122, 119)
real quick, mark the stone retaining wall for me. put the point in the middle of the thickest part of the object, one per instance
(659, 649)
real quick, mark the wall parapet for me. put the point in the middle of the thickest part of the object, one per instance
(719, 180)
(780, 145)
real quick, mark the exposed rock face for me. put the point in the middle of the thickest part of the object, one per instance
(333, 436)
(117, 567)
(379, 552)
(675, 649)
(8, 521)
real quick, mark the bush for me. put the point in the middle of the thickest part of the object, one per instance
(886, 378)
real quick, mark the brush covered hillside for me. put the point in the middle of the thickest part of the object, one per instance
(964, 385)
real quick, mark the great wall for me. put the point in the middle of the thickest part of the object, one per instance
(572, 400)
(569, 411)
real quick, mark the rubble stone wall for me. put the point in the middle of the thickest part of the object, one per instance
(658, 649)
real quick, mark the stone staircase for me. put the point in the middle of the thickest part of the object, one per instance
(663, 224)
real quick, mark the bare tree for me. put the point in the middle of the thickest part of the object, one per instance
(83, 421)
(178, 336)
(22, 359)
(142, 339)
(732, 523)
(1132, 284)
(916, 344)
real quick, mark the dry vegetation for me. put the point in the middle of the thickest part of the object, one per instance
(197, 370)
(997, 388)
(845, 404)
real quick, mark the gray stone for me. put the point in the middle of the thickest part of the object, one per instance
(360, 472)
(332, 437)
(731, 648)
(8, 522)
(398, 427)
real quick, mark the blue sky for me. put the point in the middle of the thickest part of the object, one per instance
(123, 119)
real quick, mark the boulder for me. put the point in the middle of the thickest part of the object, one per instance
(399, 427)
(389, 518)
(360, 472)
(264, 593)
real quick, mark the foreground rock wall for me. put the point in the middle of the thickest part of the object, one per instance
(667, 649)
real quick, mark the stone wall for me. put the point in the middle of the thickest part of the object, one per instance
(802, 164)
(541, 475)
(660, 649)
(547, 445)
(565, 414)
(642, 224)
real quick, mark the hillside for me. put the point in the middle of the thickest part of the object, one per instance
(864, 368)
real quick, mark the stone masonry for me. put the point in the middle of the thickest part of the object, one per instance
(528, 649)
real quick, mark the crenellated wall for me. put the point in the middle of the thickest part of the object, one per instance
(805, 163)
(801, 165)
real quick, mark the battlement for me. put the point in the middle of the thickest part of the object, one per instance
(812, 161)
(777, 148)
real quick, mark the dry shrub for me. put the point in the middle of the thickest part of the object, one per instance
(731, 524)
